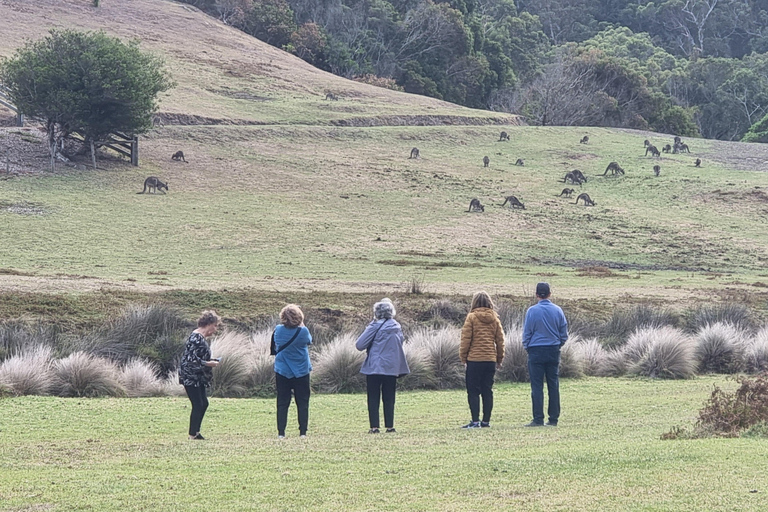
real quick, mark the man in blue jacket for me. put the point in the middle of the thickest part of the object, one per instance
(545, 330)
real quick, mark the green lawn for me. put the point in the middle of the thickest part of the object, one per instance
(123, 454)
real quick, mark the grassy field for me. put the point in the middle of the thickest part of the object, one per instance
(131, 454)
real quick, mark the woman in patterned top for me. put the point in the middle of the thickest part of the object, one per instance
(196, 369)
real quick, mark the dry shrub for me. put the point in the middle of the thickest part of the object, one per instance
(622, 323)
(422, 374)
(442, 349)
(756, 355)
(614, 363)
(171, 385)
(261, 378)
(720, 348)
(728, 414)
(28, 372)
(571, 360)
(378, 81)
(592, 355)
(737, 315)
(18, 336)
(661, 352)
(514, 367)
(511, 315)
(82, 374)
(139, 378)
(337, 366)
(447, 312)
(231, 376)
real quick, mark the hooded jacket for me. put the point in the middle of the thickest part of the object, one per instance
(482, 337)
(384, 342)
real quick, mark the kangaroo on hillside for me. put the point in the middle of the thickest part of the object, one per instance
(519, 162)
(575, 179)
(587, 200)
(486, 161)
(513, 202)
(474, 205)
(414, 153)
(331, 97)
(666, 149)
(653, 150)
(646, 143)
(153, 184)
(697, 163)
(503, 136)
(579, 175)
(584, 139)
(566, 192)
(179, 155)
(614, 167)
(656, 170)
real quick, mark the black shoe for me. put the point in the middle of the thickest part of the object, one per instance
(391, 430)
(534, 424)
(550, 424)
(472, 424)
(485, 424)
(374, 431)
(199, 437)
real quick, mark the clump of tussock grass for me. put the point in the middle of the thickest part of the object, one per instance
(720, 348)
(756, 354)
(87, 375)
(139, 379)
(510, 315)
(614, 363)
(172, 386)
(445, 312)
(18, 336)
(737, 315)
(617, 329)
(442, 349)
(422, 374)
(661, 352)
(28, 372)
(231, 376)
(261, 378)
(337, 366)
(514, 367)
(571, 360)
(592, 354)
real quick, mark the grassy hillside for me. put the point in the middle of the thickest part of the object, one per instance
(300, 204)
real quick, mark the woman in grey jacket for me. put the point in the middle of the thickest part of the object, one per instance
(383, 339)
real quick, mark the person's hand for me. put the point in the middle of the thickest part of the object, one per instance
(212, 364)
(465, 365)
(498, 366)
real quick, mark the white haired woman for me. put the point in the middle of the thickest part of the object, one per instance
(383, 339)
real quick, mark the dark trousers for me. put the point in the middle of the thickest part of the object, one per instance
(544, 362)
(381, 388)
(199, 401)
(479, 379)
(300, 388)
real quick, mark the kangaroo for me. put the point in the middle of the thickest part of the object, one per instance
(414, 153)
(684, 148)
(579, 175)
(678, 140)
(179, 155)
(519, 162)
(474, 205)
(331, 97)
(575, 179)
(153, 184)
(656, 170)
(615, 168)
(584, 140)
(698, 162)
(503, 136)
(653, 150)
(566, 192)
(486, 161)
(587, 200)
(646, 143)
(513, 202)
(666, 149)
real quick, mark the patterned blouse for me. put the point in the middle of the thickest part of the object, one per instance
(192, 370)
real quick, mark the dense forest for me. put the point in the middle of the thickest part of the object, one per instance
(689, 67)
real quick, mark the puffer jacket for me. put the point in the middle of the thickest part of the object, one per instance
(482, 337)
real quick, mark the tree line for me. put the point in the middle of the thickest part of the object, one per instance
(690, 67)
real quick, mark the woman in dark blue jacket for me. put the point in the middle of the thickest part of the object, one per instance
(292, 367)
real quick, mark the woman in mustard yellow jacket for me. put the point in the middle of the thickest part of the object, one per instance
(481, 351)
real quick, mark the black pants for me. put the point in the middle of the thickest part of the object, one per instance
(545, 362)
(199, 401)
(381, 388)
(300, 388)
(480, 383)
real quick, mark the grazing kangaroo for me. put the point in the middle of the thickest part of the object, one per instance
(575, 179)
(474, 205)
(579, 175)
(646, 143)
(615, 168)
(179, 155)
(519, 162)
(486, 161)
(331, 97)
(584, 140)
(684, 148)
(566, 192)
(414, 153)
(656, 170)
(666, 149)
(698, 162)
(587, 200)
(153, 184)
(678, 140)
(513, 202)
(503, 136)
(653, 150)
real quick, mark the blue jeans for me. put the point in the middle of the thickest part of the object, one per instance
(544, 362)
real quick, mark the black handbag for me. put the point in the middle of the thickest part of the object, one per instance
(273, 348)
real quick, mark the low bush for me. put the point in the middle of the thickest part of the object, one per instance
(28, 372)
(614, 363)
(231, 377)
(171, 385)
(622, 323)
(422, 374)
(511, 315)
(737, 315)
(261, 378)
(444, 312)
(662, 352)
(139, 379)
(17, 336)
(336, 368)
(756, 352)
(442, 349)
(731, 413)
(592, 355)
(571, 360)
(83, 374)
(720, 348)
(514, 367)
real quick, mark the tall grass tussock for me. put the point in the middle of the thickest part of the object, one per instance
(756, 352)
(231, 377)
(261, 377)
(336, 368)
(139, 379)
(83, 374)
(514, 367)
(720, 348)
(28, 372)
(441, 347)
(592, 355)
(661, 352)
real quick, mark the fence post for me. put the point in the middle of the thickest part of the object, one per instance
(135, 151)
(19, 119)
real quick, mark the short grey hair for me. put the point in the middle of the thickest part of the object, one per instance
(384, 309)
